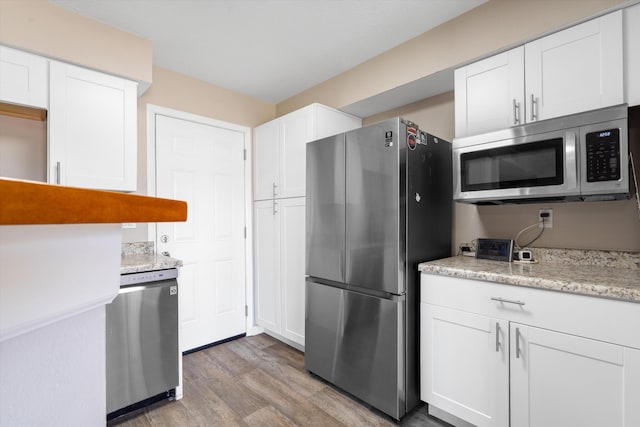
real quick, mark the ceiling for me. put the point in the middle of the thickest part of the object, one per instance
(269, 49)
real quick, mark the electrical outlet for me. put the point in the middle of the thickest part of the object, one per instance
(548, 220)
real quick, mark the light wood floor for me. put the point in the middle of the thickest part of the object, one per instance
(259, 381)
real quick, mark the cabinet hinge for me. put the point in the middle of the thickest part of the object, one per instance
(245, 154)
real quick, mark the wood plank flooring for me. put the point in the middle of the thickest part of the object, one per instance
(260, 381)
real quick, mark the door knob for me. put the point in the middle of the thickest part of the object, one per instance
(164, 238)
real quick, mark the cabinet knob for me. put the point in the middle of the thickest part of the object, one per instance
(164, 238)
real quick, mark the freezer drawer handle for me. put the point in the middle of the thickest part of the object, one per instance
(508, 301)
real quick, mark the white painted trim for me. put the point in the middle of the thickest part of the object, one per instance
(155, 110)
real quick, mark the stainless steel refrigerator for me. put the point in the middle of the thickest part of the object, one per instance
(378, 203)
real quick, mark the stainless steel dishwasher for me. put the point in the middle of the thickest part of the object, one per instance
(142, 341)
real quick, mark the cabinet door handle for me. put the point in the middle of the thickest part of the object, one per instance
(275, 207)
(275, 189)
(497, 337)
(534, 104)
(517, 343)
(516, 112)
(57, 172)
(508, 301)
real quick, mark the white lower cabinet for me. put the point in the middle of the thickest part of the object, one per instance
(279, 266)
(465, 364)
(492, 363)
(562, 380)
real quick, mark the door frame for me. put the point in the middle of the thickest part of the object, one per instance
(156, 110)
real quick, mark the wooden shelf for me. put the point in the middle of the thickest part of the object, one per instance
(22, 112)
(27, 202)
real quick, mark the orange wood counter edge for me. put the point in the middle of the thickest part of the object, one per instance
(28, 202)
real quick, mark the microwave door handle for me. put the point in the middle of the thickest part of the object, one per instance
(572, 171)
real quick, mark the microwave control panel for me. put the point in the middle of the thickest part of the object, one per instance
(603, 155)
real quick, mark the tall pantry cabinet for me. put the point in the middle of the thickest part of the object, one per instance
(279, 180)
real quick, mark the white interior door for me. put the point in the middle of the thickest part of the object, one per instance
(204, 165)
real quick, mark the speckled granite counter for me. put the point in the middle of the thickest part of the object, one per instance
(141, 256)
(601, 274)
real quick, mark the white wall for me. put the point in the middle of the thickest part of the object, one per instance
(55, 376)
(23, 148)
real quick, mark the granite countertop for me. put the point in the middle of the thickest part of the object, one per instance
(140, 256)
(598, 273)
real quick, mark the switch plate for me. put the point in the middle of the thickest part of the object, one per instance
(548, 221)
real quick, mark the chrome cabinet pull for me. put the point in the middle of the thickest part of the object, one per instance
(497, 337)
(57, 172)
(275, 207)
(534, 103)
(517, 343)
(516, 112)
(275, 189)
(508, 301)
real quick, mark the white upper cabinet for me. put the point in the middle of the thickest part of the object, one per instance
(578, 69)
(92, 129)
(23, 78)
(266, 151)
(489, 94)
(296, 129)
(280, 148)
(632, 54)
(574, 70)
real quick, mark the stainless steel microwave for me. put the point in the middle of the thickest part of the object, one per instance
(584, 156)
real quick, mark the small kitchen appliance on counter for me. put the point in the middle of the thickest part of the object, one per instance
(142, 341)
(495, 249)
(378, 203)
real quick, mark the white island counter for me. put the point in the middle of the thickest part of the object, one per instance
(60, 256)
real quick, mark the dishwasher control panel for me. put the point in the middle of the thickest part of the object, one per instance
(148, 276)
